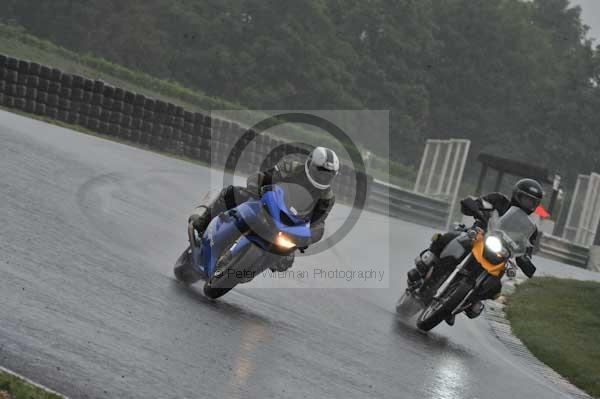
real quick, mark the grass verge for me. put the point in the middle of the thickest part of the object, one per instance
(17, 388)
(559, 322)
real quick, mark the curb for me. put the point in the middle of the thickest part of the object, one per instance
(501, 328)
(30, 382)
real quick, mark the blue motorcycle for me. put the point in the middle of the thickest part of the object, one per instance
(243, 242)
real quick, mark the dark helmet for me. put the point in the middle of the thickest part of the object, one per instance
(321, 167)
(527, 195)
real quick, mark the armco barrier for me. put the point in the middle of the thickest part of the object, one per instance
(408, 205)
(133, 117)
(561, 250)
(112, 111)
(115, 112)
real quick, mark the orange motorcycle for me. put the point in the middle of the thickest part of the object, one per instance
(480, 255)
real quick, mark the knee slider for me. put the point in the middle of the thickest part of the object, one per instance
(424, 261)
(414, 275)
(198, 214)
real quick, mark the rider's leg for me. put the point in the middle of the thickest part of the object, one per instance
(203, 214)
(228, 198)
(490, 289)
(423, 264)
(475, 310)
(429, 257)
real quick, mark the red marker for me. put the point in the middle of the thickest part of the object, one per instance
(541, 212)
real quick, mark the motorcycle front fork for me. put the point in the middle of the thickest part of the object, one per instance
(468, 301)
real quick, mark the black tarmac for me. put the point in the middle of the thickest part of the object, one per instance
(89, 231)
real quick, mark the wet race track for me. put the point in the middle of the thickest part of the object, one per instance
(89, 231)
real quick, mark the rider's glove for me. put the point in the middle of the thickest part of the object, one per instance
(526, 265)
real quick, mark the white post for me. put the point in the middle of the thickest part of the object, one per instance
(422, 167)
(445, 167)
(568, 225)
(584, 212)
(591, 222)
(433, 166)
(467, 146)
(454, 166)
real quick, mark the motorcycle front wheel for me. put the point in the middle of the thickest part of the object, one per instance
(224, 283)
(407, 306)
(440, 309)
(232, 270)
(183, 269)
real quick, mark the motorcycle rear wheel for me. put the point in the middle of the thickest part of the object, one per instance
(440, 309)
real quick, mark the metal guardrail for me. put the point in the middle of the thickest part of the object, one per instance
(135, 118)
(564, 251)
(408, 205)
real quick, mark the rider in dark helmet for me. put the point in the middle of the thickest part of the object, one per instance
(314, 176)
(527, 194)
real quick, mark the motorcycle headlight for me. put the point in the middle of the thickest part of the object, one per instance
(494, 244)
(284, 241)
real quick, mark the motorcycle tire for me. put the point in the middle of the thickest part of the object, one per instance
(217, 292)
(440, 309)
(183, 269)
(407, 306)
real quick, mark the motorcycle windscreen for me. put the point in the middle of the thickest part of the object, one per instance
(516, 227)
(298, 200)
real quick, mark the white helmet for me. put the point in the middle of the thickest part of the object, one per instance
(321, 167)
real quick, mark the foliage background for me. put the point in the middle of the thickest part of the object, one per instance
(518, 78)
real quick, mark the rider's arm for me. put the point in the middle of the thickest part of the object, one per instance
(533, 242)
(481, 208)
(269, 176)
(524, 262)
(320, 213)
(478, 207)
(470, 207)
(263, 178)
(322, 209)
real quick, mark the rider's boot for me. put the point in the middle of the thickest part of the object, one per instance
(203, 214)
(475, 310)
(197, 224)
(414, 279)
(423, 264)
(450, 320)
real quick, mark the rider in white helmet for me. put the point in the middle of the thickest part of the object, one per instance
(315, 176)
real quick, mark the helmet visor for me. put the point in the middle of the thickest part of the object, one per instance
(527, 202)
(321, 175)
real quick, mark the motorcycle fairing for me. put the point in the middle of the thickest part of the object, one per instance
(456, 248)
(274, 201)
(478, 248)
(219, 235)
(253, 222)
